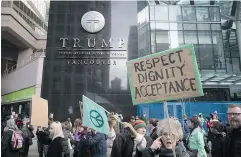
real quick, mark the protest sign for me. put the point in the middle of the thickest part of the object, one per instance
(94, 116)
(168, 75)
(39, 112)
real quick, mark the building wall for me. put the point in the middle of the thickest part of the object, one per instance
(66, 80)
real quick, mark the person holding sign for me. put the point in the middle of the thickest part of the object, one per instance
(167, 141)
(132, 142)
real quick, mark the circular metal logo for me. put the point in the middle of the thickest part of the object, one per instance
(93, 21)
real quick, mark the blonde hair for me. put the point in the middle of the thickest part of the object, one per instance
(175, 127)
(57, 130)
(77, 123)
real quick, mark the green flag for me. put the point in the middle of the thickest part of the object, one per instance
(94, 116)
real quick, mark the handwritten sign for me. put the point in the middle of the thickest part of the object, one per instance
(163, 76)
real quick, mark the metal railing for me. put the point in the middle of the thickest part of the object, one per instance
(29, 59)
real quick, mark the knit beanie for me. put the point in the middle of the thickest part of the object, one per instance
(139, 124)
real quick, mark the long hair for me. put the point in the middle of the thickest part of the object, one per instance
(77, 123)
(195, 122)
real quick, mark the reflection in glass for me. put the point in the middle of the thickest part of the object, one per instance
(204, 37)
(214, 14)
(189, 26)
(175, 13)
(162, 26)
(190, 37)
(152, 13)
(161, 13)
(175, 26)
(218, 50)
(176, 39)
(202, 14)
(188, 14)
(236, 63)
(162, 40)
(203, 26)
(206, 56)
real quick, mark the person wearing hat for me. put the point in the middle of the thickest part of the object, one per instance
(132, 142)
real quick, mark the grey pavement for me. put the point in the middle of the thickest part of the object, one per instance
(33, 150)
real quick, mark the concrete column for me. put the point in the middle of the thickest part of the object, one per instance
(23, 54)
(39, 75)
(238, 27)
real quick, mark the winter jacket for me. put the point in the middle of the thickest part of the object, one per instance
(196, 142)
(163, 152)
(65, 143)
(123, 145)
(217, 145)
(83, 148)
(232, 143)
(44, 136)
(186, 130)
(55, 149)
(6, 149)
(97, 144)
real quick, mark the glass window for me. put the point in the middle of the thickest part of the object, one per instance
(21, 5)
(202, 14)
(216, 27)
(175, 13)
(152, 13)
(204, 37)
(190, 37)
(189, 26)
(153, 37)
(162, 40)
(229, 65)
(161, 13)
(153, 25)
(175, 26)
(214, 14)
(236, 65)
(162, 26)
(176, 38)
(203, 26)
(206, 56)
(234, 51)
(16, 3)
(218, 50)
(188, 14)
(142, 17)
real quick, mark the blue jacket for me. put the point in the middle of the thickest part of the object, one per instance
(97, 144)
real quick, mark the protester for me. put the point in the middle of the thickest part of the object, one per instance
(112, 134)
(83, 148)
(233, 137)
(67, 137)
(132, 141)
(97, 143)
(217, 139)
(167, 141)
(201, 120)
(69, 123)
(186, 130)
(6, 149)
(77, 129)
(195, 140)
(27, 135)
(43, 135)
(153, 129)
(51, 119)
(55, 149)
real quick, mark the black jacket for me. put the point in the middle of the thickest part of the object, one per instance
(123, 145)
(217, 145)
(55, 148)
(6, 149)
(163, 152)
(44, 136)
(232, 143)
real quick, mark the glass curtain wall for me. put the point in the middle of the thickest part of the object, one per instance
(161, 27)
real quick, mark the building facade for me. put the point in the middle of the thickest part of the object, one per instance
(24, 35)
(89, 43)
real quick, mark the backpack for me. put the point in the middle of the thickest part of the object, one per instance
(16, 140)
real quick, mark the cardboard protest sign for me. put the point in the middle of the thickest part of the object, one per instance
(168, 75)
(39, 112)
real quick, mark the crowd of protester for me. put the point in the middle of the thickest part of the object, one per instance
(128, 137)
